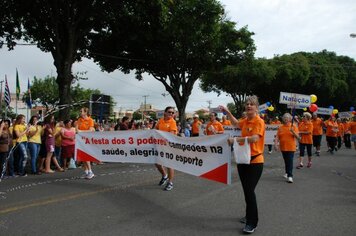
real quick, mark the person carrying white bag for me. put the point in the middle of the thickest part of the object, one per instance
(253, 132)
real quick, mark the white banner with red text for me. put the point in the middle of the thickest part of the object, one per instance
(208, 156)
(271, 131)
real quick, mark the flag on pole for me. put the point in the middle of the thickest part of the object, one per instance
(18, 91)
(7, 95)
(29, 98)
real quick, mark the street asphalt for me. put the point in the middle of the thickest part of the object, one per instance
(125, 199)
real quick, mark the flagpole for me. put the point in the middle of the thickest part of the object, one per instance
(2, 81)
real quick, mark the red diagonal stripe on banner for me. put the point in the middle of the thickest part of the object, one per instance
(219, 174)
(83, 156)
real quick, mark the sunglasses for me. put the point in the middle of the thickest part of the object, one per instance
(170, 112)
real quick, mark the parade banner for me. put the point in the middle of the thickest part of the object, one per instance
(345, 114)
(207, 157)
(294, 99)
(263, 107)
(324, 111)
(296, 107)
(271, 131)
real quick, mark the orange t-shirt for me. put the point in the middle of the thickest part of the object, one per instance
(217, 126)
(347, 127)
(317, 126)
(306, 127)
(331, 128)
(276, 122)
(85, 124)
(169, 125)
(341, 129)
(226, 122)
(286, 138)
(353, 127)
(195, 126)
(255, 126)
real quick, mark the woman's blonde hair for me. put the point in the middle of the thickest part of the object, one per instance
(253, 99)
(287, 115)
(307, 115)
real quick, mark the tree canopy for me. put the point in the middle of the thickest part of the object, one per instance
(332, 78)
(60, 27)
(177, 43)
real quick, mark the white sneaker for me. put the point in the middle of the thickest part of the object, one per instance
(285, 176)
(90, 175)
(269, 152)
(290, 180)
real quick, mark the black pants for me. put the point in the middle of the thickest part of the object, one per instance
(347, 140)
(249, 176)
(332, 142)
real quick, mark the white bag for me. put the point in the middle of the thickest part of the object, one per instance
(242, 153)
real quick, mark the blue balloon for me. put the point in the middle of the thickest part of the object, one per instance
(268, 104)
(352, 108)
(331, 107)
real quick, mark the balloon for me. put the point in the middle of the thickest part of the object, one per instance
(313, 98)
(331, 107)
(335, 111)
(313, 108)
(271, 108)
(304, 109)
(352, 108)
(268, 104)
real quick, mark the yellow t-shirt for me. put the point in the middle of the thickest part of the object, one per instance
(20, 129)
(36, 138)
(58, 139)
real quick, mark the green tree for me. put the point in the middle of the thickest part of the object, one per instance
(248, 77)
(179, 41)
(60, 27)
(45, 92)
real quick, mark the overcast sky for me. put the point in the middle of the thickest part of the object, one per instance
(280, 27)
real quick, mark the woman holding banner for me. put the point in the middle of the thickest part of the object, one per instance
(85, 124)
(253, 127)
(285, 141)
(168, 124)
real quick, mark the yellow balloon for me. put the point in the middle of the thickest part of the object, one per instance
(271, 108)
(335, 111)
(313, 98)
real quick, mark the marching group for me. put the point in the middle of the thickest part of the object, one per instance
(48, 144)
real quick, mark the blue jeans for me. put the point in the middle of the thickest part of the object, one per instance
(34, 149)
(11, 162)
(57, 153)
(22, 157)
(3, 156)
(288, 162)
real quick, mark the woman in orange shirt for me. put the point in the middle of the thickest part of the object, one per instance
(285, 141)
(331, 133)
(168, 124)
(214, 126)
(306, 139)
(340, 133)
(253, 127)
(353, 131)
(196, 126)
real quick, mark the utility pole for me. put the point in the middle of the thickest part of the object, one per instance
(144, 109)
(209, 102)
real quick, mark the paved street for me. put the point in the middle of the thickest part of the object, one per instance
(124, 199)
